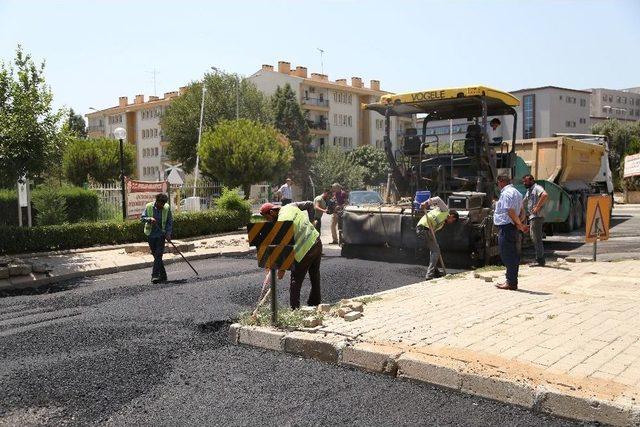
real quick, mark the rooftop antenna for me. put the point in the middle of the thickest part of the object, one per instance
(321, 62)
(154, 73)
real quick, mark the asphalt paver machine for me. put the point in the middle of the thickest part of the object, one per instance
(462, 173)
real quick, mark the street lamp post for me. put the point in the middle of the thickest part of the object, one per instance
(197, 169)
(121, 134)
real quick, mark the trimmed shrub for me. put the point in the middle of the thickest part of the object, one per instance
(8, 207)
(15, 240)
(232, 200)
(51, 208)
(82, 205)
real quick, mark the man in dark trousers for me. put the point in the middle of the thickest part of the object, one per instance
(308, 251)
(158, 226)
(506, 217)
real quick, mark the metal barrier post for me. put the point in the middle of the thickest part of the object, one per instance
(274, 304)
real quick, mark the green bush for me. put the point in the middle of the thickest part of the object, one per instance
(82, 205)
(51, 208)
(109, 212)
(81, 235)
(232, 200)
(8, 207)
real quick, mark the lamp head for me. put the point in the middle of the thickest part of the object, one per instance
(120, 133)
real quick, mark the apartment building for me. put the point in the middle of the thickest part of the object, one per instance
(333, 108)
(615, 104)
(141, 119)
(547, 110)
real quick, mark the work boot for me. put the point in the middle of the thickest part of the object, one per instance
(155, 280)
(507, 286)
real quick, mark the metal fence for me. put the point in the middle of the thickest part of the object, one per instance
(108, 194)
(111, 194)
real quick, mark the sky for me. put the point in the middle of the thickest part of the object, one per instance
(96, 51)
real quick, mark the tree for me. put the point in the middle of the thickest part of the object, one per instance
(624, 138)
(76, 124)
(243, 152)
(96, 158)
(28, 125)
(374, 161)
(290, 120)
(181, 119)
(333, 165)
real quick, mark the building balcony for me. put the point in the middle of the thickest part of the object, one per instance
(315, 103)
(95, 128)
(319, 127)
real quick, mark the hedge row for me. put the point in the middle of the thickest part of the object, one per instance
(15, 240)
(82, 205)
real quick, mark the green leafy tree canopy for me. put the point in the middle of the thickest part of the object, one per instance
(374, 161)
(181, 119)
(624, 138)
(28, 125)
(291, 121)
(333, 165)
(76, 124)
(243, 152)
(98, 159)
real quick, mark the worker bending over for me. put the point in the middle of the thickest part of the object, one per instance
(432, 222)
(308, 251)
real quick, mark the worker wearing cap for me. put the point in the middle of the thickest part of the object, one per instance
(158, 226)
(434, 220)
(307, 248)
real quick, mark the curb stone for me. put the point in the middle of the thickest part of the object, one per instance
(314, 346)
(372, 357)
(440, 371)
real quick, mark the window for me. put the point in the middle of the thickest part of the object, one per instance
(335, 140)
(155, 132)
(335, 97)
(619, 100)
(350, 98)
(350, 142)
(349, 121)
(610, 98)
(583, 102)
(529, 116)
(335, 119)
(604, 97)
(560, 97)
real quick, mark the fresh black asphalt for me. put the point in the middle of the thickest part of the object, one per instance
(117, 350)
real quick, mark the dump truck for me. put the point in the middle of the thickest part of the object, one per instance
(463, 173)
(570, 168)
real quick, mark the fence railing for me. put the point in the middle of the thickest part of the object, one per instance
(111, 193)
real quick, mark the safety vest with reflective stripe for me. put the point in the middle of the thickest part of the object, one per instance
(434, 219)
(304, 232)
(165, 214)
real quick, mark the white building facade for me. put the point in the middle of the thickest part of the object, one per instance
(334, 108)
(141, 119)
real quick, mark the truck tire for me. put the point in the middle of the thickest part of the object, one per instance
(579, 215)
(569, 224)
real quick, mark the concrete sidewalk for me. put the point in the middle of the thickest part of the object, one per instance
(566, 343)
(105, 260)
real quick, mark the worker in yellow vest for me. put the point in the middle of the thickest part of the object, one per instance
(432, 222)
(158, 226)
(307, 248)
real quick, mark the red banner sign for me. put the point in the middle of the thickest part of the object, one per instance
(139, 193)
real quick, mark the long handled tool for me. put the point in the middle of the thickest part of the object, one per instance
(176, 248)
(186, 260)
(444, 269)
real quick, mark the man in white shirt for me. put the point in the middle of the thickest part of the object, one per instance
(285, 192)
(506, 217)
